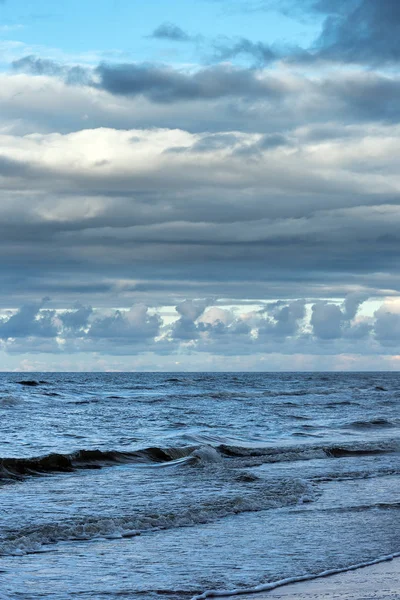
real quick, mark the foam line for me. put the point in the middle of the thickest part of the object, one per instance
(276, 584)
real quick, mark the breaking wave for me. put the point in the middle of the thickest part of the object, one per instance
(263, 497)
(20, 468)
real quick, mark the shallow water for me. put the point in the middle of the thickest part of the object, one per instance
(163, 486)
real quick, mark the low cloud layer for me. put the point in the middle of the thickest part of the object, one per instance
(200, 326)
(252, 99)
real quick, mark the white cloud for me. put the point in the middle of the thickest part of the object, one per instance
(287, 187)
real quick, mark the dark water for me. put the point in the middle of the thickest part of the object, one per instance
(163, 486)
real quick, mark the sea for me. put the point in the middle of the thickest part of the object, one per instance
(180, 486)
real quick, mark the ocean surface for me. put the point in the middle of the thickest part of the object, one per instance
(166, 486)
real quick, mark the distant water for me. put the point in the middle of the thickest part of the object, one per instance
(162, 486)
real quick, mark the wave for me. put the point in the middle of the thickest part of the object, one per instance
(300, 392)
(298, 417)
(265, 587)
(343, 451)
(306, 435)
(284, 454)
(86, 401)
(341, 403)
(276, 494)
(357, 508)
(32, 382)
(352, 475)
(19, 468)
(9, 401)
(370, 424)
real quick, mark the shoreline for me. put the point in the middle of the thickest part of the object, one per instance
(374, 580)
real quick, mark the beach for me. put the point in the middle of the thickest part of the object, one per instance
(375, 582)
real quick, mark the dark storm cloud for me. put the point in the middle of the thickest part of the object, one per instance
(368, 32)
(170, 31)
(164, 84)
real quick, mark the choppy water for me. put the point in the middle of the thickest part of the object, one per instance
(136, 486)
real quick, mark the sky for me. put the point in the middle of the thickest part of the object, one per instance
(199, 185)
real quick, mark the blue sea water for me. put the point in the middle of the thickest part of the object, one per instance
(163, 486)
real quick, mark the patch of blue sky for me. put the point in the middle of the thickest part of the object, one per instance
(118, 30)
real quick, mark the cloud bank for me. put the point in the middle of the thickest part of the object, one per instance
(200, 326)
(262, 174)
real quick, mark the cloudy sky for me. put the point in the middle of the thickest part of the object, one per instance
(200, 185)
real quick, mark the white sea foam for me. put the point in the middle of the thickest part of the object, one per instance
(261, 497)
(276, 584)
(207, 454)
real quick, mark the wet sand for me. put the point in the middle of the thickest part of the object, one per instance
(376, 582)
